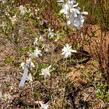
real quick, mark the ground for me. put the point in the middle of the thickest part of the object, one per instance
(81, 76)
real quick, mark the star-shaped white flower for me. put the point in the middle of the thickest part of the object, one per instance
(78, 22)
(46, 72)
(37, 52)
(67, 51)
(69, 7)
(78, 19)
(73, 14)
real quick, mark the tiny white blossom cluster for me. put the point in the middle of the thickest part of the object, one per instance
(73, 13)
(37, 52)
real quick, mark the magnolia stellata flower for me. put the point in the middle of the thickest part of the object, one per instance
(77, 21)
(68, 7)
(37, 52)
(73, 14)
(46, 72)
(67, 51)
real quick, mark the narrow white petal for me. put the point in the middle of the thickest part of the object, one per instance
(84, 13)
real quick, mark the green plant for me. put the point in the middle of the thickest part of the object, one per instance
(102, 92)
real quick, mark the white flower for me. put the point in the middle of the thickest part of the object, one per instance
(46, 72)
(37, 52)
(22, 9)
(69, 7)
(43, 106)
(73, 14)
(28, 63)
(67, 51)
(77, 21)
